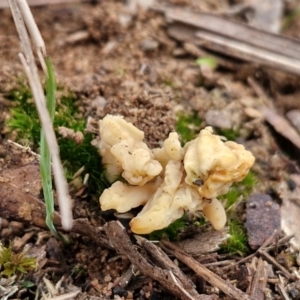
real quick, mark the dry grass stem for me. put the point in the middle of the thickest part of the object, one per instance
(31, 26)
(31, 71)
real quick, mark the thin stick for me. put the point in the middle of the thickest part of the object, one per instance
(205, 273)
(278, 266)
(259, 281)
(180, 286)
(40, 101)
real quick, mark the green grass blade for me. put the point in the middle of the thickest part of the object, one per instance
(45, 162)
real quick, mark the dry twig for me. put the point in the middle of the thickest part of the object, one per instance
(168, 278)
(259, 281)
(278, 266)
(164, 262)
(205, 273)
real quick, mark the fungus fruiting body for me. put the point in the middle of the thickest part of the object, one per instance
(169, 180)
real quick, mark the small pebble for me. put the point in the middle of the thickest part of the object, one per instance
(253, 113)
(263, 217)
(17, 227)
(294, 117)
(117, 290)
(3, 223)
(149, 45)
(6, 232)
(216, 118)
(179, 52)
(107, 278)
(2, 151)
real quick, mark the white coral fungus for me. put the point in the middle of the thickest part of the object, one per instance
(170, 180)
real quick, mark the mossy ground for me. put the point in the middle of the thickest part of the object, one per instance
(24, 120)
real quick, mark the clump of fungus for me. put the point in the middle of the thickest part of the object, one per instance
(122, 149)
(170, 180)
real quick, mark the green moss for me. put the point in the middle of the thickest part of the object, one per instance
(237, 243)
(188, 126)
(169, 83)
(238, 240)
(208, 61)
(229, 134)
(74, 156)
(231, 197)
(243, 188)
(249, 183)
(24, 120)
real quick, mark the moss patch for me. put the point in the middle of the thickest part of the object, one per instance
(188, 126)
(229, 134)
(24, 120)
(238, 238)
(237, 243)
(243, 188)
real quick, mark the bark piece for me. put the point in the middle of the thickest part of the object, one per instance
(166, 277)
(126, 276)
(21, 206)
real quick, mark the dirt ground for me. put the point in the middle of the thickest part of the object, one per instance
(118, 59)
